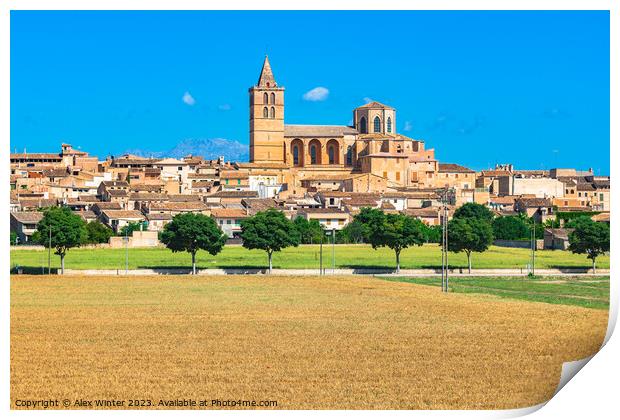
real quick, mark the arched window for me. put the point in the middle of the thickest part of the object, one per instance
(295, 155)
(265, 112)
(313, 154)
(389, 125)
(363, 125)
(265, 98)
(350, 155)
(273, 112)
(331, 154)
(273, 98)
(377, 125)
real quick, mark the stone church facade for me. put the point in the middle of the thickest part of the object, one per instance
(299, 154)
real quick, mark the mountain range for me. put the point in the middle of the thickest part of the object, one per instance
(213, 148)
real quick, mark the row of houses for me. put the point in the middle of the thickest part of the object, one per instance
(130, 189)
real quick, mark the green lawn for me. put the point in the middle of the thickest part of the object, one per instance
(589, 292)
(305, 256)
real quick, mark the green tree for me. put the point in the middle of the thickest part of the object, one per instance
(395, 231)
(367, 219)
(191, 232)
(510, 228)
(401, 232)
(589, 237)
(129, 228)
(310, 231)
(68, 230)
(474, 210)
(13, 238)
(98, 233)
(270, 231)
(352, 233)
(469, 235)
(433, 234)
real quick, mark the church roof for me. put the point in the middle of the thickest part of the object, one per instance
(317, 130)
(375, 104)
(266, 78)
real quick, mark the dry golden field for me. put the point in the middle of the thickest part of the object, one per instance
(305, 342)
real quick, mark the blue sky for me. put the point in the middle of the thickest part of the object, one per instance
(529, 88)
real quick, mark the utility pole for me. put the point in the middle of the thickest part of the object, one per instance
(321, 255)
(443, 244)
(444, 238)
(445, 218)
(333, 251)
(533, 243)
(49, 253)
(126, 250)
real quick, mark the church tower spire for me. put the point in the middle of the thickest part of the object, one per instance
(266, 118)
(266, 79)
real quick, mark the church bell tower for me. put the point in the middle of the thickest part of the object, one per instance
(266, 118)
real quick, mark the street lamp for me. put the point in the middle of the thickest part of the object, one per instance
(49, 253)
(126, 250)
(332, 233)
(533, 245)
(443, 193)
(321, 255)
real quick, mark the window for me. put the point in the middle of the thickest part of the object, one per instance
(238, 182)
(265, 98)
(295, 155)
(350, 155)
(389, 125)
(601, 197)
(273, 112)
(363, 125)
(331, 155)
(398, 176)
(384, 174)
(313, 154)
(227, 181)
(377, 125)
(228, 221)
(265, 112)
(273, 98)
(180, 168)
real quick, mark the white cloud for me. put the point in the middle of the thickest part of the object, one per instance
(188, 99)
(316, 94)
(408, 126)
(224, 107)
(367, 100)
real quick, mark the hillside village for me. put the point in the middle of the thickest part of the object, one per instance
(318, 172)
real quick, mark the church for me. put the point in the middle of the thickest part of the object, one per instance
(370, 151)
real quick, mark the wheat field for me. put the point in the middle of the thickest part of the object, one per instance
(305, 342)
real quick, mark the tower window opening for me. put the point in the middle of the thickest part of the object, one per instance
(363, 129)
(377, 125)
(265, 112)
(272, 113)
(295, 155)
(313, 154)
